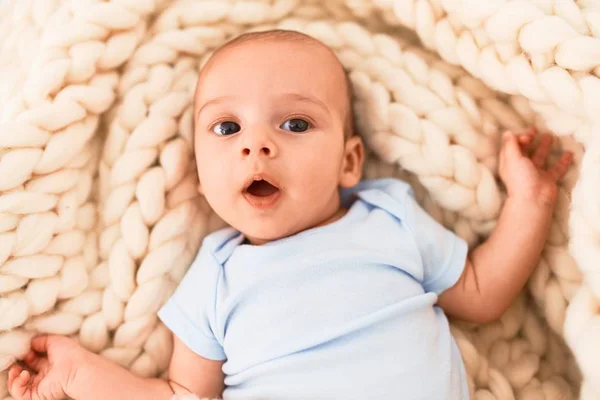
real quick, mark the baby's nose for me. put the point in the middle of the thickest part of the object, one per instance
(265, 150)
(262, 146)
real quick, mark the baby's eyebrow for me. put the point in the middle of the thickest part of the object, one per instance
(307, 99)
(283, 97)
(212, 102)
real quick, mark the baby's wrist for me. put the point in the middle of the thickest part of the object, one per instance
(541, 201)
(542, 196)
(81, 374)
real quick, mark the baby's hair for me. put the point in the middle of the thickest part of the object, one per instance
(288, 35)
(349, 123)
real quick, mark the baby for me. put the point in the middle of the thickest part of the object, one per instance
(324, 287)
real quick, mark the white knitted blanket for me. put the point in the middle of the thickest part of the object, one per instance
(99, 210)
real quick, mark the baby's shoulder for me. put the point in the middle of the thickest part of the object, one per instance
(220, 244)
(391, 186)
(389, 194)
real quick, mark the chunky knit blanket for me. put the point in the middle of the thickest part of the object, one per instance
(99, 211)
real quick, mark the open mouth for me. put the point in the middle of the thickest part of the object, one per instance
(261, 193)
(261, 188)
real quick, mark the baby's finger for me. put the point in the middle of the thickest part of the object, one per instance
(511, 147)
(543, 150)
(24, 377)
(524, 142)
(19, 386)
(37, 379)
(525, 139)
(13, 373)
(50, 388)
(562, 166)
(33, 361)
(40, 344)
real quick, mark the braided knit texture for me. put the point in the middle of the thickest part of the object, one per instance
(100, 216)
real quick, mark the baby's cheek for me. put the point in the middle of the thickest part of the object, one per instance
(220, 202)
(317, 183)
(213, 179)
(323, 169)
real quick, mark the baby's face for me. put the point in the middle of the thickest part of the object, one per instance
(269, 137)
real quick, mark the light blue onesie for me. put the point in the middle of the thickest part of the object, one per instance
(342, 311)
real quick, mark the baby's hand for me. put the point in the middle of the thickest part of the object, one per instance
(525, 175)
(53, 360)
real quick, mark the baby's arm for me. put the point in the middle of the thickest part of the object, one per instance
(63, 368)
(189, 373)
(496, 271)
(192, 373)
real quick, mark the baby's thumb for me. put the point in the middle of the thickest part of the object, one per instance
(43, 343)
(510, 146)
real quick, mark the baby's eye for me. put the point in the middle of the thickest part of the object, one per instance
(226, 128)
(296, 125)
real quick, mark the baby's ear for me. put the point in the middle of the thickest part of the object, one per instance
(354, 157)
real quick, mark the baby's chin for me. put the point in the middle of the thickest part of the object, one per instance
(266, 231)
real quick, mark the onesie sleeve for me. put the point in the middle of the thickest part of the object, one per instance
(443, 253)
(190, 312)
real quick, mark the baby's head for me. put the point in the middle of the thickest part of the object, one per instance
(274, 137)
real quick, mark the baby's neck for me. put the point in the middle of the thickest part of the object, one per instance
(336, 216)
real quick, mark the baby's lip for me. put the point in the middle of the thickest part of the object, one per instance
(260, 177)
(261, 201)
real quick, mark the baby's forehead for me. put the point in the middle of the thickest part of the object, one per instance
(276, 60)
(286, 45)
